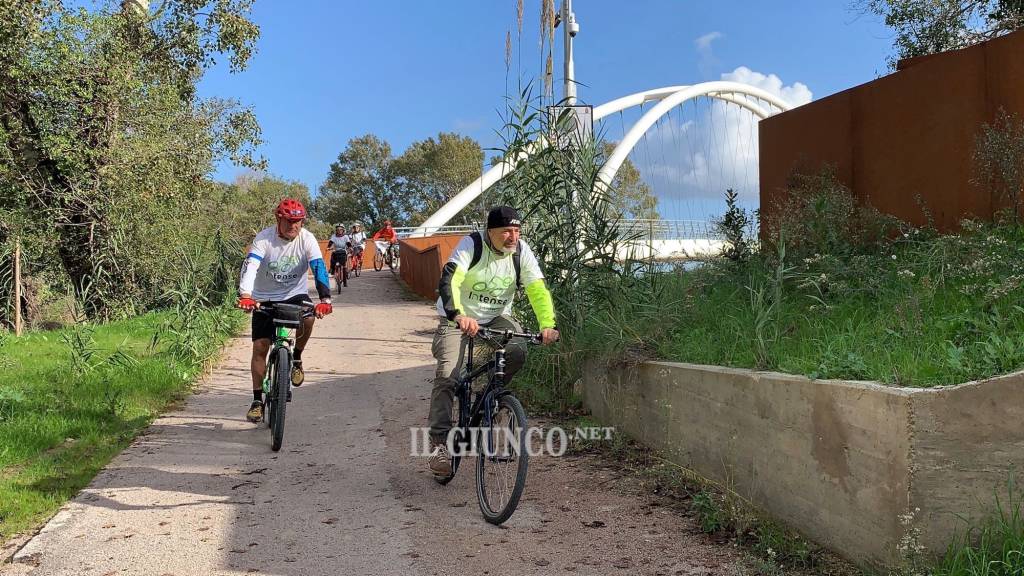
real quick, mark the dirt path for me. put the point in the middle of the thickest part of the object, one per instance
(201, 493)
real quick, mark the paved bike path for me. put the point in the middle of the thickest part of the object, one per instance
(200, 492)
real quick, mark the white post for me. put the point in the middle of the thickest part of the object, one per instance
(569, 30)
(17, 287)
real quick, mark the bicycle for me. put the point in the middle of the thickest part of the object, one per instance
(278, 380)
(356, 261)
(492, 423)
(341, 273)
(386, 255)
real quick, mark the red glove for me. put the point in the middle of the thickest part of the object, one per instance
(323, 309)
(248, 304)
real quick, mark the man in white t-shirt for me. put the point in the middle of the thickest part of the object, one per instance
(275, 271)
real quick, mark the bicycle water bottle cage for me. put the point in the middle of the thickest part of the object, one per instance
(288, 315)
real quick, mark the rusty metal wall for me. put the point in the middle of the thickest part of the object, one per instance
(422, 260)
(905, 136)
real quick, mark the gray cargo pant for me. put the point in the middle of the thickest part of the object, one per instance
(449, 349)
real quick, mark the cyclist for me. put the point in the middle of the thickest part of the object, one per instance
(478, 284)
(337, 244)
(358, 237)
(275, 271)
(387, 233)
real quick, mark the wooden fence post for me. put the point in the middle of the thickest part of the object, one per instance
(17, 286)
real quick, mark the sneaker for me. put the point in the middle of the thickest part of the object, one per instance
(255, 413)
(440, 461)
(298, 376)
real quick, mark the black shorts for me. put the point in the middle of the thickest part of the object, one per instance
(263, 324)
(338, 257)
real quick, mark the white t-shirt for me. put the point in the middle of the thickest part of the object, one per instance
(275, 268)
(357, 238)
(339, 242)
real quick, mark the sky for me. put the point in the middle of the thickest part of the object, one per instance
(326, 71)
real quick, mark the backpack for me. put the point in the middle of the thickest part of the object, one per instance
(478, 251)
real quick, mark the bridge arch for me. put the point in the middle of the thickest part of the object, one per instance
(744, 95)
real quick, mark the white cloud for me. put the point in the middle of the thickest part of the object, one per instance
(706, 146)
(707, 60)
(797, 94)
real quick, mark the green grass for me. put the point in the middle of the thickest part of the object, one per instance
(59, 424)
(920, 311)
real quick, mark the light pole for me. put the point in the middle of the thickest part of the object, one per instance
(569, 31)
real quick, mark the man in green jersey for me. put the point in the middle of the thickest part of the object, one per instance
(477, 287)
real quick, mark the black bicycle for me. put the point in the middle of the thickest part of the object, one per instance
(491, 424)
(278, 380)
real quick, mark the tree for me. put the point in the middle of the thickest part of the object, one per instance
(930, 26)
(362, 185)
(433, 171)
(629, 194)
(103, 143)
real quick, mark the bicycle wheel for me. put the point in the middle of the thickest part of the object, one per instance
(378, 260)
(357, 265)
(279, 396)
(502, 461)
(338, 280)
(458, 423)
(391, 259)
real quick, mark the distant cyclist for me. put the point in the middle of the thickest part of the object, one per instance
(275, 271)
(358, 238)
(338, 245)
(478, 284)
(386, 233)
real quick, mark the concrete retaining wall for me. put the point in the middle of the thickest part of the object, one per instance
(838, 461)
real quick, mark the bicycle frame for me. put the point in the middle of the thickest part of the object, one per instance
(282, 339)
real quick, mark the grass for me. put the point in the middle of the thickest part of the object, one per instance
(923, 310)
(72, 399)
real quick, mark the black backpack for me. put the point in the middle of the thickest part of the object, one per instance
(478, 251)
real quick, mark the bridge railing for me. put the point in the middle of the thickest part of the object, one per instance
(646, 229)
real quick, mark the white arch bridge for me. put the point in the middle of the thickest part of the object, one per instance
(659, 239)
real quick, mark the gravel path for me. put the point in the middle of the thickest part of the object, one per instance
(200, 492)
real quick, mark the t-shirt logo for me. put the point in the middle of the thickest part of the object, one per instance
(283, 269)
(494, 288)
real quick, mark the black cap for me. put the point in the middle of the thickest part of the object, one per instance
(502, 216)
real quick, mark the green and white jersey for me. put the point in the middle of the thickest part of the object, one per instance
(487, 290)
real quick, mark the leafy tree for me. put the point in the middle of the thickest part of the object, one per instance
(629, 194)
(362, 185)
(433, 171)
(930, 26)
(104, 145)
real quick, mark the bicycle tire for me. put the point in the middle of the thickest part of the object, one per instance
(357, 265)
(518, 428)
(338, 280)
(457, 422)
(391, 259)
(279, 392)
(378, 260)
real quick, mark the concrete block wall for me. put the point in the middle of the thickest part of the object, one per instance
(838, 461)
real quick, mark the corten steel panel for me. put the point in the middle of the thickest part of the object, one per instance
(423, 259)
(914, 134)
(818, 135)
(909, 133)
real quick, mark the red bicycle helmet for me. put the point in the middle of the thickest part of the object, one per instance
(291, 210)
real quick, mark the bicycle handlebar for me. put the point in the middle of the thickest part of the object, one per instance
(507, 335)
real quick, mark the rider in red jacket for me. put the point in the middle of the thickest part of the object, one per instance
(386, 233)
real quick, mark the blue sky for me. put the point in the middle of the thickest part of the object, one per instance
(327, 71)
